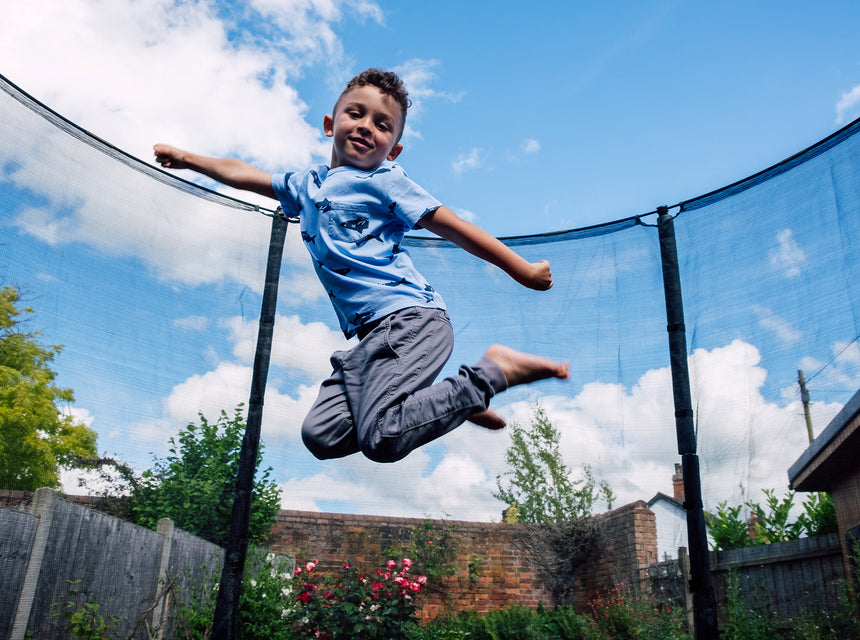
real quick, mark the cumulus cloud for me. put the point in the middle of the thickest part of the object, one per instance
(139, 73)
(627, 437)
(295, 345)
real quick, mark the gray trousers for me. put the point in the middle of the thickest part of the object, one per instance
(380, 398)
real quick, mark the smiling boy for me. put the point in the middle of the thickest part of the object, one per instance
(381, 398)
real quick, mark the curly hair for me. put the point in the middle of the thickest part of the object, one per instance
(386, 81)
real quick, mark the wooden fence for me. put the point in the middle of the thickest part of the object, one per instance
(122, 567)
(785, 578)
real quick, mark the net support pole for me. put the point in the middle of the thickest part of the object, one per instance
(704, 600)
(224, 625)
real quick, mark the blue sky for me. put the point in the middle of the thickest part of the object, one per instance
(527, 119)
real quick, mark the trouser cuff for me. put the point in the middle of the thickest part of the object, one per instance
(494, 374)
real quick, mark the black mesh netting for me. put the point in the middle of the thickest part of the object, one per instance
(153, 285)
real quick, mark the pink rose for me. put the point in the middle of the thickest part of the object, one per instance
(407, 562)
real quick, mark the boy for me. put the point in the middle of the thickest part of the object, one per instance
(381, 398)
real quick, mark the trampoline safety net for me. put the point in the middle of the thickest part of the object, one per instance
(153, 286)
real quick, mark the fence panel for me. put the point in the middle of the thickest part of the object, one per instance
(787, 578)
(17, 531)
(115, 564)
(108, 561)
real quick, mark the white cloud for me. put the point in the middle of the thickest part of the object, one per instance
(848, 106)
(467, 161)
(777, 325)
(530, 145)
(627, 436)
(194, 323)
(787, 256)
(295, 345)
(418, 75)
(139, 73)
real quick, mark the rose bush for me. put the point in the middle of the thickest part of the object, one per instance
(354, 605)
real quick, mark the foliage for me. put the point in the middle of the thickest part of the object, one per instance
(83, 620)
(561, 552)
(538, 482)
(263, 603)
(819, 515)
(771, 522)
(512, 623)
(353, 605)
(465, 625)
(727, 529)
(36, 438)
(195, 484)
(616, 615)
(773, 525)
(619, 614)
(430, 550)
(744, 620)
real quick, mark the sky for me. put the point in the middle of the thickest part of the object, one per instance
(526, 119)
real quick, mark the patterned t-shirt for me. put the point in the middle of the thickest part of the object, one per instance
(352, 223)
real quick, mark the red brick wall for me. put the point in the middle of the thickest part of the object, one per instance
(504, 574)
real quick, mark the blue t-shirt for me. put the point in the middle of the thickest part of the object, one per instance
(352, 223)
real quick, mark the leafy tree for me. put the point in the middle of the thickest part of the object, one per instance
(771, 522)
(194, 485)
(728, 530)
(819, 515)
(539, 485)
(36, 438)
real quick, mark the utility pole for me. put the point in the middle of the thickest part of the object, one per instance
(804, 397)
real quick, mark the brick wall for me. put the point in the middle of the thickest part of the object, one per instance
(491, 569)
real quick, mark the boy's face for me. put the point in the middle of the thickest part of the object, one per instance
(364, 129)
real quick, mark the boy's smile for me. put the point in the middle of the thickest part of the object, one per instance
(364, 129)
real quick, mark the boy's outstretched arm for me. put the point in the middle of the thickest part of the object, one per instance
(447, 224)
(230, 171)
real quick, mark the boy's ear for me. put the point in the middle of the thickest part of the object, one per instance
(328, 126)
(395, 151)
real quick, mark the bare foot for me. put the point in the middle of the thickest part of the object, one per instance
(522, 368)
(488, 419)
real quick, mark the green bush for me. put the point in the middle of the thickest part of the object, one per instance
(353, 605)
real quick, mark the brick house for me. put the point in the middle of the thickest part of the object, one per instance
(831, 464)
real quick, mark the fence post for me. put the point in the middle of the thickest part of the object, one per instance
(165, 528)
(44, 503)
(684, 565)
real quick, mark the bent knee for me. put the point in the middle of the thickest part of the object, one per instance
(327, 443)
(383, 450)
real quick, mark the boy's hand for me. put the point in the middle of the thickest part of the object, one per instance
(537, 276)
(170, 157)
